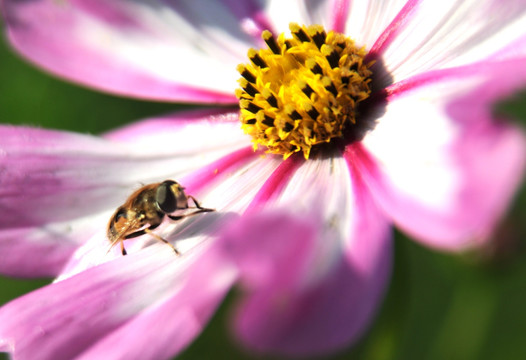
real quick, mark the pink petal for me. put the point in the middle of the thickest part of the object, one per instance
(438, 162)
(58, 187)
(276, 182)
(272, 262)
(102, 313)
(370, 23)
(174, 52)
(39, 252)
(314, 264)
(339, 14)
(514, 50)
(52, 184)
(212, 130)
(445, 34)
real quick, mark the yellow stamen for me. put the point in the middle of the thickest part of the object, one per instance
(301, 91)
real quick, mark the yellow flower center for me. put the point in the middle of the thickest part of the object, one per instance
(302, 91)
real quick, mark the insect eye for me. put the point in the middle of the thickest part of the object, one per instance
(165, 197)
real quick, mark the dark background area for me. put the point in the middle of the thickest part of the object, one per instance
(439, 306)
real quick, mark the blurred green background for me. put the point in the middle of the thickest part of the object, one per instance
(439, 306)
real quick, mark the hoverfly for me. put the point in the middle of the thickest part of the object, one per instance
(145, 210)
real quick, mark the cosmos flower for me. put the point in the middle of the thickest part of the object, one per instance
(363, 115)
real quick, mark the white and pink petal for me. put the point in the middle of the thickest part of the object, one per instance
(439, 162)
(182, 51)
(101, 310)
(58, 187)
(370, 23)
(314, 260)
(437, 35)
(53, 187)
(227, 185)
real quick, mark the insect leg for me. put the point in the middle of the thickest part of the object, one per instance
(154, 235)
(197, 205)
(198, 211)
(121, 241)
(123, 250)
